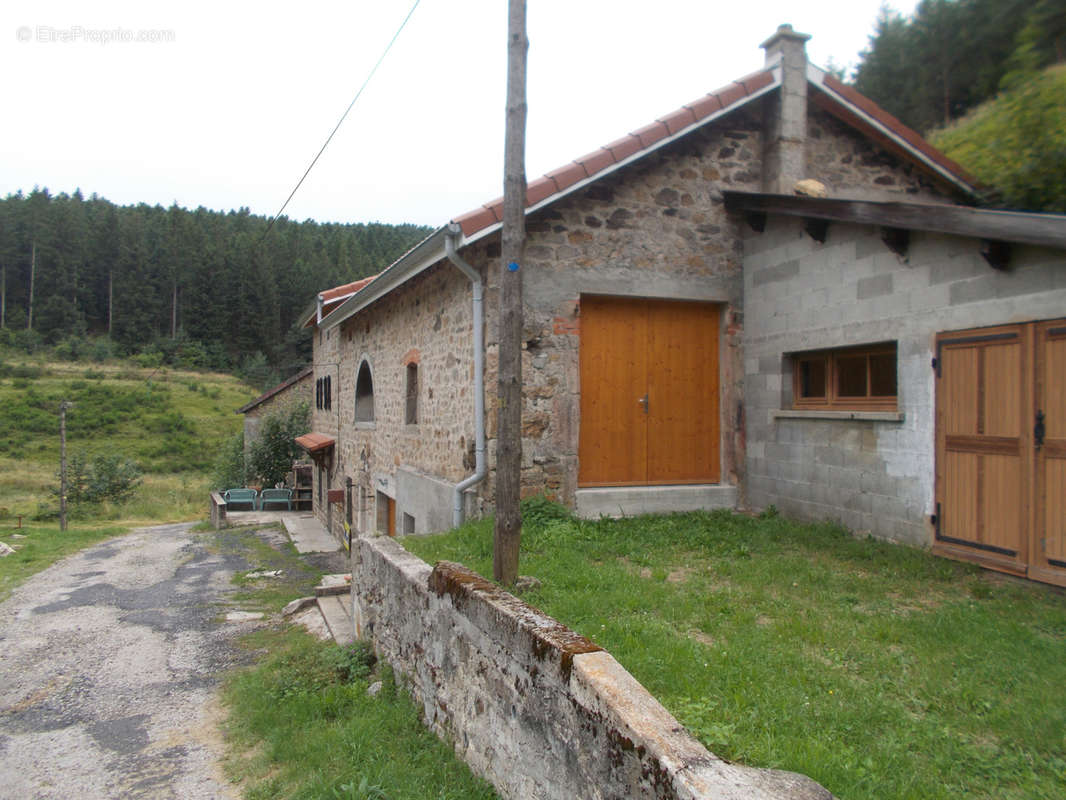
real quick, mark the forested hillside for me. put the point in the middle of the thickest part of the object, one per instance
(216, 286)
(953, 55)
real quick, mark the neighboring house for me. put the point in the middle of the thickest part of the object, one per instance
(297, 389)
(697, 336)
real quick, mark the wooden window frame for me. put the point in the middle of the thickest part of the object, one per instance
(832, 400)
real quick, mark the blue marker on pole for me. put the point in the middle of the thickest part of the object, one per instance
(513, 266)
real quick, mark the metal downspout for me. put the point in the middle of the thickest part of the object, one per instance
(477, 287)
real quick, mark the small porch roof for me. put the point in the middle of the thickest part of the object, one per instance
(315, 442)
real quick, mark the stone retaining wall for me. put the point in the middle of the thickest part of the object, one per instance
(532, 706)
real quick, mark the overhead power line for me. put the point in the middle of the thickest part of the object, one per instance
(344, 116)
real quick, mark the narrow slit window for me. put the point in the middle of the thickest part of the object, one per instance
(411, 411)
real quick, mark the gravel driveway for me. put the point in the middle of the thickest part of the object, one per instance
(109, 663)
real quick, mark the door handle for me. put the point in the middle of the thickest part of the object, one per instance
(1038, 430)
(643, 402)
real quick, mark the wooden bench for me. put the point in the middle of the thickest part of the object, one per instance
(275, 496)
(239, 497)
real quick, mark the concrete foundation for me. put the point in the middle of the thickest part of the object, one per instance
(629, 501)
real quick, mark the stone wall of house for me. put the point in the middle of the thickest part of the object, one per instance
(530, 705)
(302, 391)
(874, 474)
(655, 229)
(854, 167)
(427, 321)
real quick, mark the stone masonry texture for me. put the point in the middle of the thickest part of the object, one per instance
(538, 710)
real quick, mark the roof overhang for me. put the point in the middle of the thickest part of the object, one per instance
(432, 249)
(315, 442)
(1016, 227)
(276, 390)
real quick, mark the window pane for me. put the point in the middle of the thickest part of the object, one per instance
(812, 377)
(411, 415)
(883, 375)
(851, 376)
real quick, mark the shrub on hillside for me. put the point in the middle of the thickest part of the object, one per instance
(106, 477)
(230, 471)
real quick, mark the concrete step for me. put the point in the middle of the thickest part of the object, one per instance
(625, 501)
(340, 583)
(336, 612)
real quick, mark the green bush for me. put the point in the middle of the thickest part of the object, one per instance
(107, 477)
(273, 451)
(102, 349)
(230, 471)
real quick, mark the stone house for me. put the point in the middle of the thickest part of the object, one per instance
(296, 389)
(698, 336)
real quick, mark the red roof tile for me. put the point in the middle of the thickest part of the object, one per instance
(346, 289)
(757, 80)
(568, 175)
(538, 190)
(473, 221)
(705, 106)
(678, 120)
(731, 93)
(623, 148)
(496, 207)
(594, 162)
(650, 134)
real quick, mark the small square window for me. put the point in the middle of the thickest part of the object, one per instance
(408, 524)
(858, 378)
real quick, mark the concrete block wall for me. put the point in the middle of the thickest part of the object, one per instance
(538, 710)
(872, 474)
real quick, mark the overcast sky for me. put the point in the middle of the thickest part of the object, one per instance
(225, 103)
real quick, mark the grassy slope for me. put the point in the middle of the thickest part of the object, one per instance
(1016, 142)
(878, 670)
(170, 422)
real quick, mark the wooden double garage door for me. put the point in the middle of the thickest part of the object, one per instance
(649, 392)
(1001, 448)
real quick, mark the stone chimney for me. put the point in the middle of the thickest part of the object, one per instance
(785, 151)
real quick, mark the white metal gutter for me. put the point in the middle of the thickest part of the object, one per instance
(453, 236)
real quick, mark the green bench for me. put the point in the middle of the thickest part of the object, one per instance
(275, 496)
(239, 497)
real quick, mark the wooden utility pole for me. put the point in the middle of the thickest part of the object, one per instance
(110, 298)
(63, 465)
(3, 296)
(508, 531)
(33, 269)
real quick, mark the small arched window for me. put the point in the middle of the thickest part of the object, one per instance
(364, 394)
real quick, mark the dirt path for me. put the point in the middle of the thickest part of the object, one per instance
(109, 662)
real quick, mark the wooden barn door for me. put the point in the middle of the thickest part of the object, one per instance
(1001, 448)
(649, 392)
(1049, 530)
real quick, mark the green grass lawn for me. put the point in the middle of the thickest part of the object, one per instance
(303, 726)
(878, 670)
